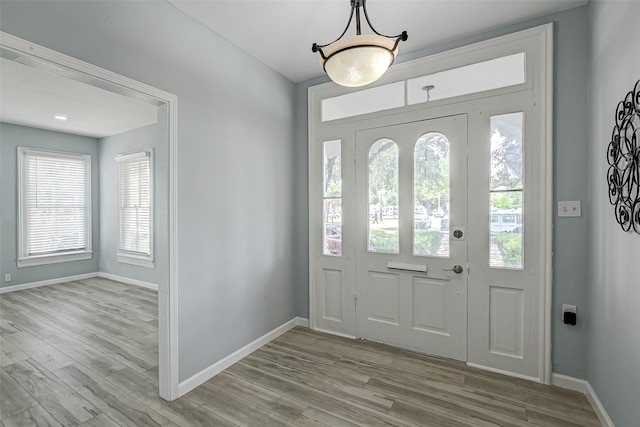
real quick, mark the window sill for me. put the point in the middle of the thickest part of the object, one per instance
(136, 260)
(53, 259)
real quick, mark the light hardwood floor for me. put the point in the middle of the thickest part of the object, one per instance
(85, 353)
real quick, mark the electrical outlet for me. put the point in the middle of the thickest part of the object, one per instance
(7, 277)
(569, 314)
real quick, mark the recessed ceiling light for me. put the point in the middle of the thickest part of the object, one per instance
(61, 118)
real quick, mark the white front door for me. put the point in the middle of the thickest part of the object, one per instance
(410, 235)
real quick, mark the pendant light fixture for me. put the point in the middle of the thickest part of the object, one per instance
(361, 59)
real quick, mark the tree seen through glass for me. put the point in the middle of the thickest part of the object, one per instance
(506, 187)
(332, 198)
(383, 197)
(431, 195)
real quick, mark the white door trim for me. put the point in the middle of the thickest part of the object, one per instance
(167, 295)
(547, 171)
(539, 43)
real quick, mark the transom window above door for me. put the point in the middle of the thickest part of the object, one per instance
(482, 76)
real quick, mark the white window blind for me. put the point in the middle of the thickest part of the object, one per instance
(135, 208)
(55, 205)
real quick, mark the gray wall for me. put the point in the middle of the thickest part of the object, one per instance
(614, 267)
(11, 137)
(570, 177)
(154, 137)
(236, 164)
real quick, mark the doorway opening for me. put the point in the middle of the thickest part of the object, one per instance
(70, 68)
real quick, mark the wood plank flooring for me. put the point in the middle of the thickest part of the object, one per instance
(85, 353)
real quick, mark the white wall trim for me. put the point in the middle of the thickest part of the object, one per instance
(546, 291)
(102, 274)
(206, 374)
(583, 386)
(48, 282)
(128, 281)
(302, 321)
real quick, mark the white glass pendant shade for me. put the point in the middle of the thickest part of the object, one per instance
(359, 60)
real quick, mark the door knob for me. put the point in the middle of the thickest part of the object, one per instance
(456, 269)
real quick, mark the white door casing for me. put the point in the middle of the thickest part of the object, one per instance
(509, 316)
(167, 293)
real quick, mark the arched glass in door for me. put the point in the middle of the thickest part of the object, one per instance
(383, 197)
(431, 195)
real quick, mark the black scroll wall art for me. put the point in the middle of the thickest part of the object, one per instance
(623, 155)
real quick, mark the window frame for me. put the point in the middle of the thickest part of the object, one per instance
(122, 255)
(26, 260)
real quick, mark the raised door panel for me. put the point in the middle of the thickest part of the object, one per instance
(429, 306)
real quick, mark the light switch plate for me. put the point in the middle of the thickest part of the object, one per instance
(569, 208)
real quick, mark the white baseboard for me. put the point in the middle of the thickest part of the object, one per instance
(302, 321)
(128, 281)
(585, 387)
(46, 282)
(81, 277)
(206, 374)
(572, 383)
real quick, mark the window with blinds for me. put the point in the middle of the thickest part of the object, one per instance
(135, 208)
(55, 207)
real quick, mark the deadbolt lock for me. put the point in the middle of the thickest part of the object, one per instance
(458, 233)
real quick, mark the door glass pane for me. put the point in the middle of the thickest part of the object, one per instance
(431, 195)
(506, 152)
(332, 198)
(507, 188)
(364, 101)
(332, 169)
(333, 227)
(383, 197)
(479, 77)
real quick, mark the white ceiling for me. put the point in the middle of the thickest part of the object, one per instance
(32, 97)
(280, 33)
